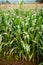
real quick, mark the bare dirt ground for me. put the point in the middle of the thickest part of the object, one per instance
(12, 62)
(26, 6)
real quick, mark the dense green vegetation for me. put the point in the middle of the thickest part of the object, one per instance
(21, 34)
(41, 1)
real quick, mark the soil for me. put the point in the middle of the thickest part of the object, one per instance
(26, 6)
(12, 62)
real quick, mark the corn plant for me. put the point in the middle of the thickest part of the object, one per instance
(21, 34)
